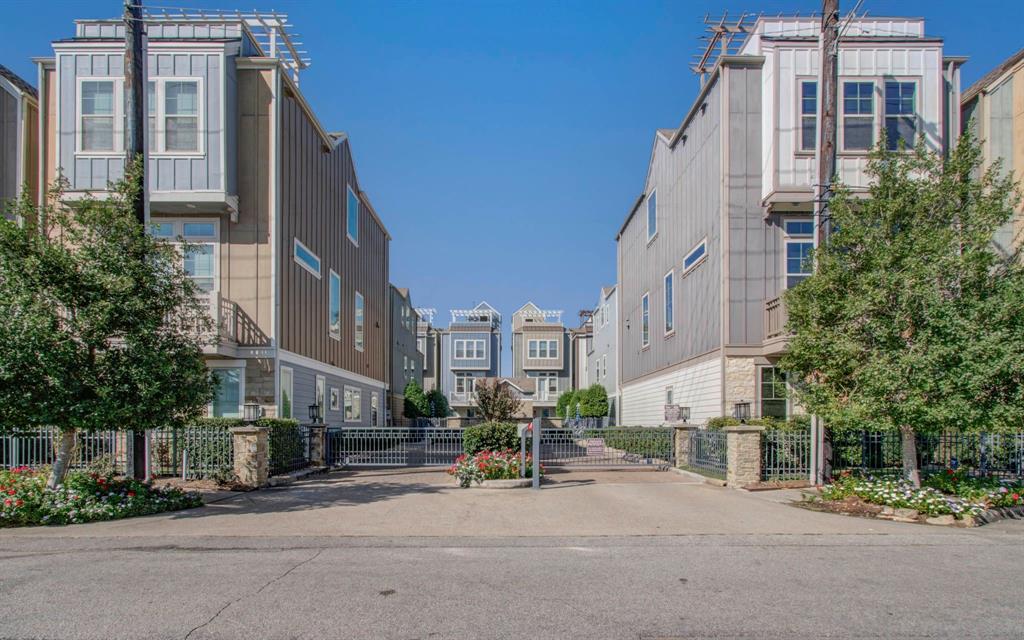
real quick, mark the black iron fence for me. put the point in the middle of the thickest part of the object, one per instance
(708, 450)
(392, 446)
(289, 448)
(785, 454)
(607, 447)
(981, 454)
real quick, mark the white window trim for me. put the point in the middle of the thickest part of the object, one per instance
(295, 257)
(353, 393)
(876, 106)
(291, 392)
(335, 396)
(462, 377)
(798, 143)
(669, 277)
(645, 342)
(916, 81)
(359, 334)
(551, 354)
(231, 364)
(788, 239)
(330, 284)
(465, 351)
(118, 125)
(320, 389)
(374, 408)
(348, 213)
(647, 215)
(178, 239)
(703, 243)
(158, 150)
(670, 390)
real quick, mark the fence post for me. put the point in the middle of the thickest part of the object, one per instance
(536, 453)
(316, 444)
(681, 444)
(743, 455)
(252, 455)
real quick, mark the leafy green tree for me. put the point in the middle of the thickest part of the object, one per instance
(562, 403)
(594, 402)
(101, 327)
(912, 320)
(415, 404)
(496, 401)
(572, 401)
(437, 404)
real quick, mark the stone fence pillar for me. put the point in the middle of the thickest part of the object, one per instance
(743, 455)
(681, 442)
(316, 444)
(252, 454)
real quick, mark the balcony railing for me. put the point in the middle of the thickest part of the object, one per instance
(774, 318)
(460, 397)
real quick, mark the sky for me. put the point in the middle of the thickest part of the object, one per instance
(503, 143)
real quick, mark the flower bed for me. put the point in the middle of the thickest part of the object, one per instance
(84, 497)
(949, 493)
(490, 465)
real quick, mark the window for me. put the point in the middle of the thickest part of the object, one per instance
(405, 366)
(668, 395)
(360, 313)
(900, 114)
(799, 243)
(652, 215)
(98, 107)
(469, 349)
(306, 258)
(858, 115)
(464, 383)
(319, 393)
(199, 259)
(604, 365)
(645, 314)
(547, 384)
(335, 399)
(227, 399)
(334, 307)
(162, 229)
(773, 393)
(669, 312)
(287, 382)
(542, 349)
(374, 413)
(353, 404)
(173, 113)
(695, 256)
(808, 115)
(421, 345)
(352, 217)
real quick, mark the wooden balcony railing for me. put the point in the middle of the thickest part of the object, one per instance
(774, 318)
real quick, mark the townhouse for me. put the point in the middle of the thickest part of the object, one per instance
(404, 355)
(994, 108)
(580, 339)
(428, 343)
(602, 356)
(19, 137)
(724, 223)
(541, 352)
(470, 350)
(284, 243)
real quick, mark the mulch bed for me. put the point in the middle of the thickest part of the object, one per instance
(771, 485)
(202, 486)
(851, 506)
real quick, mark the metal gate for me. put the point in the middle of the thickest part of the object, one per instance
(393, 446)
(608, 447)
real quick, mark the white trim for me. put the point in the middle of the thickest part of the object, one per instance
(703, 243)
(158, 146)
(359, 327)
(547, 349)
(801, 80)
(647, 214)
(330, 291)
(117, 125)
(320, 386)
(466, 341)
(357, 392)
(916, 81)
(295, 258)
(875, 108)
(667, 299)
(645, 299)
(374, 407)
(334, 399)
(348, 214)
(310, 363)
(229, 364)
(291, 391)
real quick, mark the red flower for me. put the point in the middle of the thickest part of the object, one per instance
(11, 492)
(7, 502)
(1016, 497)
(19, 503)
(131, 494)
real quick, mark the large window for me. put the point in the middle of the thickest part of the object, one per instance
(98, 109)
(227, 399)
(808, 115)
(287, 385)
(353, 404)
(174, 113)
(352, 217)
(900, 114)
(858, 115)
(773, 393)
(645, 322)
(305, 258)
(670, 323)
(799, 243)
(469, 349)
(695, 256)
(198, 254)
(360, 321)
(652, 215)
(464, 383)
(542, 349)
(334, 312)
(547, 384)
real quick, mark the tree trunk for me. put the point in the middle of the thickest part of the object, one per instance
(908, 450)
(65, 450)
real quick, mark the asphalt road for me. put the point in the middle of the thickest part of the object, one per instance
(898, 581)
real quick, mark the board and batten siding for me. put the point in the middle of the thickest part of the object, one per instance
(304, 394)
(687, 179)
(603, 342)
(8, 147)
(698, 386)
(313, 209)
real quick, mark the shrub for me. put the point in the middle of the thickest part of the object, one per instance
(490, 465)
(490, 436)
(437, 404)
(794, 423)
(286, 443)
(83, 497)
(593, 401)
(571, 399)
(415, 403)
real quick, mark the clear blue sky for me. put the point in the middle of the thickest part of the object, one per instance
(503, 142)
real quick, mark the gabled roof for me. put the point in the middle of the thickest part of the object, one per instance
(607, 291)
(19, 83)
(484, 305)
(528, 304)
(986, 80)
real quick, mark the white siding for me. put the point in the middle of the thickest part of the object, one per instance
(698, 387)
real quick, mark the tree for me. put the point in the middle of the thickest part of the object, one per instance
(563, 403)
(594, 401)
(437, 404)
(912, 319)
(415, 404)
(572, 400)
(496, 401)
(102, 328)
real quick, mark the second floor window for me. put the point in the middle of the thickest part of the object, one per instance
(464, 383)
(542, 349)
(98, 112)
(858, 115)
(334, 314)
(352, 217)
(799, 243)
(360, 319)
(306, 258)
(173, 108)
(645, 321)
(900, 114)
(670, 321)
(652, 215)
(808, 115)
(469, 349)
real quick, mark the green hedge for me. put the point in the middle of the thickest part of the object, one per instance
(490, 436)
(287, 446)
(794, 423)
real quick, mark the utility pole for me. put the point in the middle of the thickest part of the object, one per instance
(135, 148)
(828, 80)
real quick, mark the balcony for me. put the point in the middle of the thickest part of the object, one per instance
(460, 397)
(775, 334)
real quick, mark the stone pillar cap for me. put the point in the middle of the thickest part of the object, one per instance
(743, 428)
(248, 429)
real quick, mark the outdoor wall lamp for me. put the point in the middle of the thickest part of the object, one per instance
(741, 411)
(314, 413)
(251, 412)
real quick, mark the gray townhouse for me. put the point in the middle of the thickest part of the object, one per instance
(580, 339)
(285, 244)
(406, 359)
(428, 343)
(602, 356)
(541, 352)
(470, 351)
(19, 137)
(724, 222)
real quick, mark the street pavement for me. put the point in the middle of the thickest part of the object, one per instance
(405, 555)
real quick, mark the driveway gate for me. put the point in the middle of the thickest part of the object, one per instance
(393, 446)
(607, 447)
